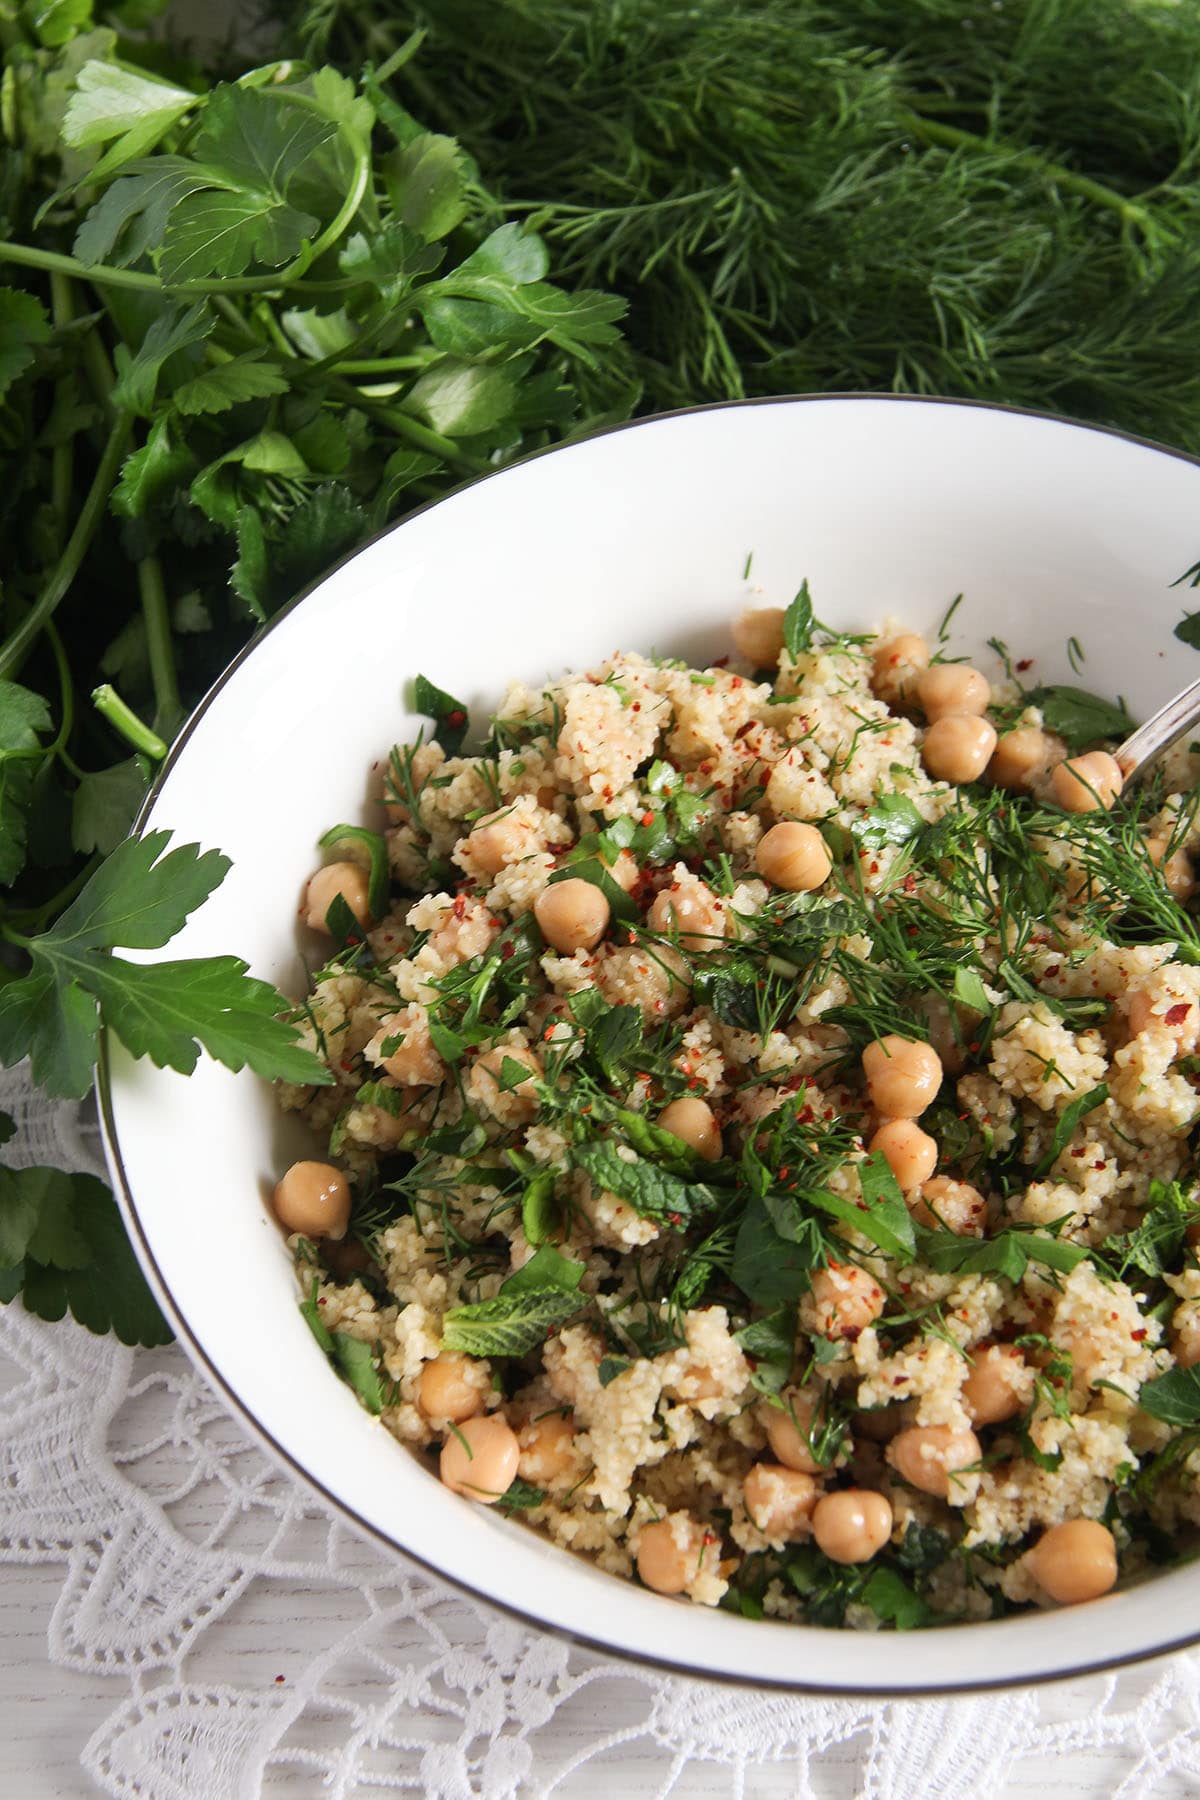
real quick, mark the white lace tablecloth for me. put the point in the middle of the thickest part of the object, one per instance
(185, 1554)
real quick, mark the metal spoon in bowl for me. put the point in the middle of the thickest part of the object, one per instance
(1145, 745)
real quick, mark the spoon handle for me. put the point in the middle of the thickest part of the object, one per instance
(1148, 742)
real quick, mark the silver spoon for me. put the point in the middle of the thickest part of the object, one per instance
(1145, 745)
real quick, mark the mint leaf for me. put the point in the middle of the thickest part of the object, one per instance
(110, 1292)
(1174, 1397)
(652, 1191)
(1064, 1129)
(798, 622)
(512, 1324)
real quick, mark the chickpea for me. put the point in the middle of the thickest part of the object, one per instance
(927, 1457)
(911, 1154)
(444, 1391)
(758, 635)
(954, 1205)
(1176, 868)
(903, 1076)
(958, 747)
(1144, 1017)
(693, 1122)
(852, 1525)
(480, 1457)
(573, 915)
(413, 1061)
(780, 1500)
(547, 1449)
(669, 1552)
(1074, 1561)
(992, 1391)
(1018, 756)
(952, 688)
(897, 661)
(502, 837)
(846, 1300)
(344, 878)
(313, 1198)
(1087, 783)
(787, 1431)
(794, 857)
(692, 913)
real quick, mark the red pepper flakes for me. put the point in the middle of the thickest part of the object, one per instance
(507, 950)
(722, 662)
(1175, 1015)
(647, 818)
(459, 909)
(456, 718)
(910, 883)
(1100, 1165)
(279, 1679)
(675, 1218)
(1138, 1335)
(1026, 662)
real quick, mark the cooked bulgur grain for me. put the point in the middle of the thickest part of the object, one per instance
(627, 1091)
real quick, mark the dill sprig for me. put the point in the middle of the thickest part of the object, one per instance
(920, 196)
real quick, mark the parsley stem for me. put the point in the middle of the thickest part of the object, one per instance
(62, 461)
(122, 718)
(153, 596)
(18, 645)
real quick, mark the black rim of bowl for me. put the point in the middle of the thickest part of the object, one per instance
(782, 1686)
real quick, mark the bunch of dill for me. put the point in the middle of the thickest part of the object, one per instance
(992, 198)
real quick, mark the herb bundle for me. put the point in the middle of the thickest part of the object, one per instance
(925, 196)
(248, 317)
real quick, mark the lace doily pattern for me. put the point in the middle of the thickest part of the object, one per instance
(258, 1647)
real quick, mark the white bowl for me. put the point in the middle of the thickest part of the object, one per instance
(637, 538)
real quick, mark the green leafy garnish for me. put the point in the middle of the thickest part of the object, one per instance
(63, 1248)
(376, 847)
(1188, 630)
(510, 1325)
(648, 1188)
(139, 899)
(452, 721)
(769, 1345)
(798, 622)
(1174, 1397)
(1064, 1128)
(1081, 718)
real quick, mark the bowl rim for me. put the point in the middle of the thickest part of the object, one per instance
(183, 1331)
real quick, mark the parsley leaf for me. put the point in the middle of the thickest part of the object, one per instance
(769, 1345)
(883, 1217)
(1079, 717)
(104, 1289)
(1174, 1397)
(1188, 630)
(138, 899)
(452, 721)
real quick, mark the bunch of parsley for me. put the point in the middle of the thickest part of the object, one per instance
(247, 316)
